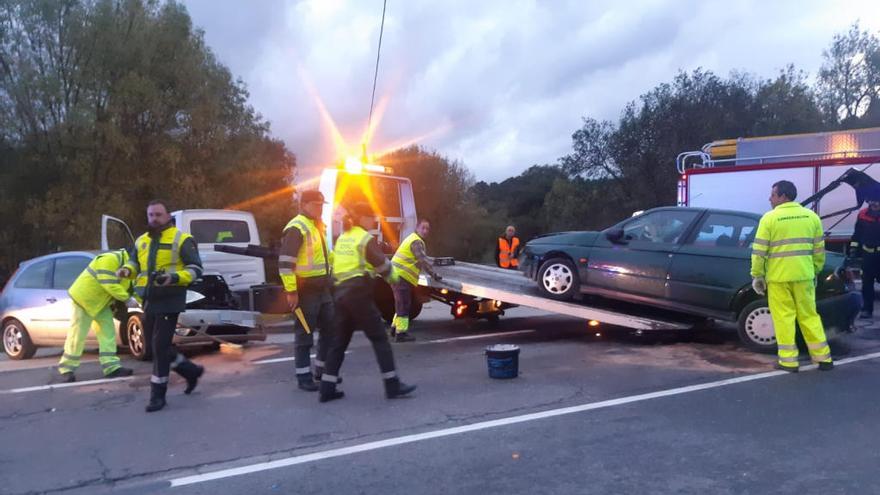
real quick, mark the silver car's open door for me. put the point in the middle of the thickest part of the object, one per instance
(115, 234)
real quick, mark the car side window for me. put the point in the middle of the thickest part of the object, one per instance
(661, 227)
(722, 230)
(35, 276)
(67, 269)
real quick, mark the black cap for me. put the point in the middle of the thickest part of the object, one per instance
(310, 196)
(360, 210)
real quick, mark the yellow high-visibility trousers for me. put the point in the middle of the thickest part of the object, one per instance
(792, 302)
(80, 325)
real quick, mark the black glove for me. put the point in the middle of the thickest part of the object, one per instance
(162, 279)
(436, 276)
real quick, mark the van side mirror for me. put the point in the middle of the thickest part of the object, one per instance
(615, 236)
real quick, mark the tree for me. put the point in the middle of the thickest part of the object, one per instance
(636, 156)
(105, 104)
(518, 200)
(849, 81)
(786, 104)
(441, 188)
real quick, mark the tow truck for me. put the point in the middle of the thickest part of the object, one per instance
(472, 291)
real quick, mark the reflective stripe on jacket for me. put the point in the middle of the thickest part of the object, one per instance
(507, 252)
(310, 260)
(405, 262)
(167, 259)
(789, 245)
(349, 255)
(98, 284)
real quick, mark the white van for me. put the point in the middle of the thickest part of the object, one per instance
(209, 228)
(229, 227)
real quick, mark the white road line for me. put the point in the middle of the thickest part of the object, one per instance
(390, 442)
(282, 360)
(65, 385)
(472, 337)
(17, 366)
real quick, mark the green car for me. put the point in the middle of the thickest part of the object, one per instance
(687, 261)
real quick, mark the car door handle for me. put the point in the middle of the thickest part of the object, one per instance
(52, 299)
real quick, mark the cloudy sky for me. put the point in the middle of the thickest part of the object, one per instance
(497, 84)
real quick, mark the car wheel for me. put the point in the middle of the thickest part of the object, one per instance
(558, 279)
(755, 327)
(139, 343)
(16, 341)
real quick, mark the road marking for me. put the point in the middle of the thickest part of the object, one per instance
(6, 366)
(472, 337)
(65, 385)
(282, 360)
(390, 442)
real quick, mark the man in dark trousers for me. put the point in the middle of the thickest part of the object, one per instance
(304, 268)
(164, 262)
(357, 257)
(865, 244)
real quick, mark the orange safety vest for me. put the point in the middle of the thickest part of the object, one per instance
(506, 258)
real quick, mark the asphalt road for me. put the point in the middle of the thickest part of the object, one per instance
(690, 412)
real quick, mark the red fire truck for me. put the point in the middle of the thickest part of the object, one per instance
(737, 174)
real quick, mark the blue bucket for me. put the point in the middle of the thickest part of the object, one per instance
(503, 361)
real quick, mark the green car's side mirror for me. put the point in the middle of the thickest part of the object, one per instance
(616, 236)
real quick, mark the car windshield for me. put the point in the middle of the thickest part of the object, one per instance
(665, 226)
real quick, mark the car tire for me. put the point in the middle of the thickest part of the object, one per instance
(558, 279)
(755, 327)
(16, 341)
(140, 343)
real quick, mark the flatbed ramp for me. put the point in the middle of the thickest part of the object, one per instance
(514, 287)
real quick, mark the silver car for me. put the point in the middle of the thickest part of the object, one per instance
(35, 310)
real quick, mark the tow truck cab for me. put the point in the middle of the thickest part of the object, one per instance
(392, 198)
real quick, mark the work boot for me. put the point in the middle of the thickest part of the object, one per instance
(157, 396)
(191, 372)
(394, 388)
(119, 372)
(403, 337)
(826, 366)
(866, 315)
(790, 369)
(307, 383)
(329, 392)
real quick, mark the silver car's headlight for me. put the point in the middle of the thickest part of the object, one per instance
(193, 296)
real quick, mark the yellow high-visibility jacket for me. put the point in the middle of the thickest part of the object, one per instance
(98, 284)
(789, 245)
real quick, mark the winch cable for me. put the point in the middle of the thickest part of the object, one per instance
(376, 73)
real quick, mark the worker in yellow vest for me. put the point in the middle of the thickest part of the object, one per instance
(507, 250)
(93, 293)
(787, 255)
(357, 258)
(303, 264)
(164, 262)
(409, 261)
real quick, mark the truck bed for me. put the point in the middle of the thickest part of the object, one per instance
(513, 287)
